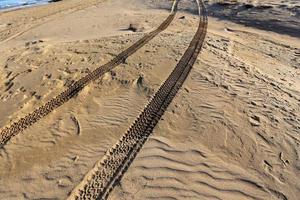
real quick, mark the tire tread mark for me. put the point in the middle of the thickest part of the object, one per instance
(15, 128)
(99, 182)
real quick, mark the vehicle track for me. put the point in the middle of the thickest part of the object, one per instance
(98, 183)
(15, 128)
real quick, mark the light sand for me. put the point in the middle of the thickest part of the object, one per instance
(232, 132)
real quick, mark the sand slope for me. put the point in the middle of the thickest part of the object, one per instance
(232, 132)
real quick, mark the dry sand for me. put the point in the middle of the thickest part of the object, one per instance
(232, 132)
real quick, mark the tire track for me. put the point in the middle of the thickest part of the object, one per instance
(98, 183)
(15, 128)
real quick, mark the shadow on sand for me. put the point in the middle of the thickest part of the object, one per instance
(279, 19)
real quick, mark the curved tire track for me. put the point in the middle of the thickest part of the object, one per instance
(15, 128)
(98, 183)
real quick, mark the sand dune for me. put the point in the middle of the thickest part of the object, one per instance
(232, 132)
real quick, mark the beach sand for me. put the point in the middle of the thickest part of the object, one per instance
(232, 131)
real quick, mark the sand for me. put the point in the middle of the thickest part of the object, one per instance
(232, 132)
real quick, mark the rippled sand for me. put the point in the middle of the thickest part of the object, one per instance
(232, 132)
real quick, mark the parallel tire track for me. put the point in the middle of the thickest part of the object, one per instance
(15, 128)
(98, 183)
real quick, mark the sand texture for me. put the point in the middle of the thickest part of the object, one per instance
(231, 132)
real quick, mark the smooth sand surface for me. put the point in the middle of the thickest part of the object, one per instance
(232, 132)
